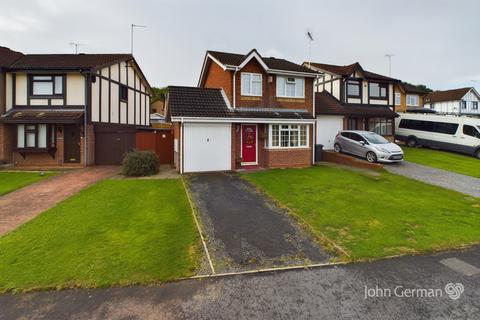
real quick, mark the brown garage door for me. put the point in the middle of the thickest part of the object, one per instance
(111, 144)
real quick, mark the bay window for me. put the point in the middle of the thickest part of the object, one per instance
(251, 84)
(378, 90)
(290, 87)
(288, 136)
(35, 136)
(412, 100)
(42, 85)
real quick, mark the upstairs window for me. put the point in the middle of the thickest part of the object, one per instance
(251, 84)
(46, 85)
(463, 103)
(397, 98)
(412, 100)
(353, 88)
(290, 87)
(378, 90)
(123, 93)
(475, 105)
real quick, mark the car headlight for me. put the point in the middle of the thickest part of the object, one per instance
(382, 149)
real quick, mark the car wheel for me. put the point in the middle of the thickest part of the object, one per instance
(337, 148)
(371, 157)
(412, 142)
(477, 154)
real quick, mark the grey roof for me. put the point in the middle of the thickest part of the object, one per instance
(326, 104)
(235, 59)
(210, 103)
(350, 69)
(67, 61)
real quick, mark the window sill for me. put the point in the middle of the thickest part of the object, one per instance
(251, 98)
(378, 98)
(47, 97)
(287, 148)
(291, 99)
(33, 150)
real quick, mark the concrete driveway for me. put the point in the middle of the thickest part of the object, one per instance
(321, 293)
(442, 178)
(244, 229)
(24, 204)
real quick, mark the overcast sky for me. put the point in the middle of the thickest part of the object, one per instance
(436, 43)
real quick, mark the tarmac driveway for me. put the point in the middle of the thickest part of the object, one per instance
(244, 229)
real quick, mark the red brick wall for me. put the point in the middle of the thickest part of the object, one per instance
(176, 155)
(218, 78)
(7, 137)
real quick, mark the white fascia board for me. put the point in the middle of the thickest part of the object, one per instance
(209, 56)
(250, 57)
(243, 120)
(292, 73)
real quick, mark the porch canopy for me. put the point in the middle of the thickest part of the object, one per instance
(42, 116)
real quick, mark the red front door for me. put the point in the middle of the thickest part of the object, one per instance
(249, 143)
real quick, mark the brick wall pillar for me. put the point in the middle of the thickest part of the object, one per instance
(6, 143)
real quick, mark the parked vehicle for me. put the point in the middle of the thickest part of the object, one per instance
(452, 133)
(369, 145)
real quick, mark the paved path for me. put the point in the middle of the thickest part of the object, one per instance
(322, 293)
(245, 230)
(449, 180)
(26, 203)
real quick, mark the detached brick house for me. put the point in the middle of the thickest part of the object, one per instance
(409, 97)
(70, 109)
(248, 111)
(351, 98)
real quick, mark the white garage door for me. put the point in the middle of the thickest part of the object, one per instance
(327, 129)
(207, 147)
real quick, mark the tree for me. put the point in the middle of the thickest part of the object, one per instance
(159, 94)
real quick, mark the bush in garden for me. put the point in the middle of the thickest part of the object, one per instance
(140, 163)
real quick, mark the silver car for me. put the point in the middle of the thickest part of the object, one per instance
(369, 145)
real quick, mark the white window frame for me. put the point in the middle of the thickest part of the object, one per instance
(284, 93)
(413, 104)
(399, 96)
(244, 93)
(289, 129)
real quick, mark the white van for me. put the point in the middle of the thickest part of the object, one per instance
(453, 133)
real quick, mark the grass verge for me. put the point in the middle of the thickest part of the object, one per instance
(449, 161)
(11, 181)
(117, 232)
(373, 216)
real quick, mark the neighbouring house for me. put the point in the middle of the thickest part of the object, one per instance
(409, 97)
(7, 57)
(351, 98)
(463, 101)
(72, 109)
(248, 111)
(157, 115)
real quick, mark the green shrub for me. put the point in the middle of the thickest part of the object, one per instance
(140, 163)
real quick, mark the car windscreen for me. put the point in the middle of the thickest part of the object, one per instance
(374, 138)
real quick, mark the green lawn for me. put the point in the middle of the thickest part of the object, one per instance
(117, 232)
(454, 162)
(11, 181)
(374, 216)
